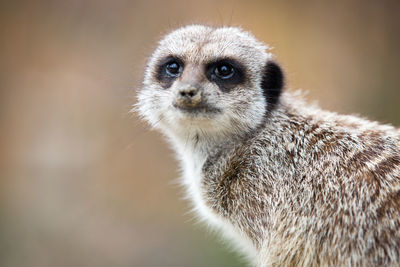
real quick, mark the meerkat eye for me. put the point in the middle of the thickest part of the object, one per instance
(168, 70)
(173, 69)
(224, 71)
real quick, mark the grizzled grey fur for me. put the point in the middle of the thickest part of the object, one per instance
(288, 183)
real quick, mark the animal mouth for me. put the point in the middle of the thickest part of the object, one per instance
(197, 109)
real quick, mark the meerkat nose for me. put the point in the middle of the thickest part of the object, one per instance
(188, 96)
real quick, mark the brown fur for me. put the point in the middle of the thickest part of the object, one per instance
(333, 199)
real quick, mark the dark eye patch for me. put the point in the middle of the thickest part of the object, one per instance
(226, 73)
(168, 69)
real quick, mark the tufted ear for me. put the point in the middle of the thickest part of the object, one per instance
(272, 83)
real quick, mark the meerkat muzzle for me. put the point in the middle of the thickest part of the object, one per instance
(188, 97)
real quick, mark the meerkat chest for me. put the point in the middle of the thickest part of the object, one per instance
(198, 193)
(193, 177)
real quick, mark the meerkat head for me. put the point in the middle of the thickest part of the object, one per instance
(209, 82)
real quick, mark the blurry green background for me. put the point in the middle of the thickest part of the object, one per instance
(83, 182)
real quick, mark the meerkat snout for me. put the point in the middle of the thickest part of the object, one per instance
(188, 87)
(188, 96)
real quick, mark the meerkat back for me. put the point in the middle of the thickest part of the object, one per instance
(288, 183)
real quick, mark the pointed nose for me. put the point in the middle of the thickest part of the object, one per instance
(188, 96)
(189, 92)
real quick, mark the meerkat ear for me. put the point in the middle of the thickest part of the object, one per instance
(272, 83)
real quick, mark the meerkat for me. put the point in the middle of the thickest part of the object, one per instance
(289, 183)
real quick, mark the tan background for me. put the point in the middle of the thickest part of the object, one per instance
(83, 182)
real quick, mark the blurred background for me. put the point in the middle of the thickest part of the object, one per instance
(83, 182)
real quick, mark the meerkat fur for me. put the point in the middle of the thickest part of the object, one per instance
(289, 183)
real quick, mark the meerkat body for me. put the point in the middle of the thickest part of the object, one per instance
(291, 184)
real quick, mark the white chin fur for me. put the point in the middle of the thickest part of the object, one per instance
(205, 126)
